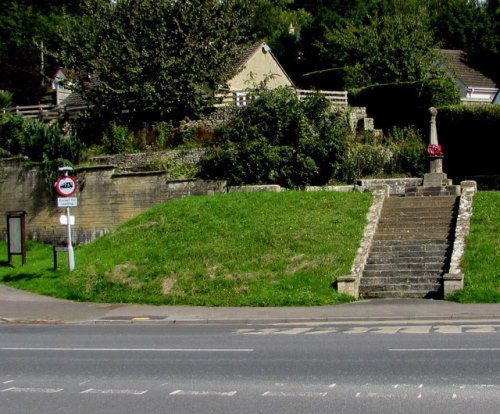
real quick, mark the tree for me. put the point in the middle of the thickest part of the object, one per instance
(28, 30)
(388, 48)
(155, 58)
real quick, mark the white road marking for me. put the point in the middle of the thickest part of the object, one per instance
(479, 329)
(204, 393)
(425, 329)
(332, 385)
(322, 331)
(34, 390)
(131, 349)
(448, 329)
(109, 391)
(8, 382)
(388, 329)
(357, 330)
(294, 394)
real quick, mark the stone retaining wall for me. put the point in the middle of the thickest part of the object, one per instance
(106, 199)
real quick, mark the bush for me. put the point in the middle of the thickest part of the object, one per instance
(401, 152)
(278, 140)
(405, 104)
(117, 139)
(468, 134)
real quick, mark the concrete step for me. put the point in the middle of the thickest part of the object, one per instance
(416, 236)
(403, 273)
(431, 266)
(412, 280)
(388, 258)
(414, 226)
(425, 287)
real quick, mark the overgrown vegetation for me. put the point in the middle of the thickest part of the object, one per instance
(238, 249)
(39, 142)
(481, 261)
(398, 153)
(279, 139)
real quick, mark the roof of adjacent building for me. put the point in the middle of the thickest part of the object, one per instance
(456, 60)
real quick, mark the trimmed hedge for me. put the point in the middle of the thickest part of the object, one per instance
(405, 104)
(469, 135)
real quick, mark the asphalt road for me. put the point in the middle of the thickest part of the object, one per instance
(281, 368)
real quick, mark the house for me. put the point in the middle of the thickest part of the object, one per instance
(474, 86)
(257, 65)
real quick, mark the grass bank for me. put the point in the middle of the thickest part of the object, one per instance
(239, 249)
(481, 261)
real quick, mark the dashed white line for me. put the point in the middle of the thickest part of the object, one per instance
(111, 391)
(294, 394)
(204, 393)
(8, 382)
(34, 390)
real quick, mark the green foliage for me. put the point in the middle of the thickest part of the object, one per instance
(5, 99)
(11, 134)
(388, 48)
(481, 261)
(400, 153)
(155, 59)
(238, 249)
(466, 133)
(278, 139)
(39, 142)
(172, 164)
(405, 104)
(117, 139)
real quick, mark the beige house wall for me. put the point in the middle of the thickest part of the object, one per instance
(260, 66)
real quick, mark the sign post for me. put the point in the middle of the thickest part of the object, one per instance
(16, 235)
(66, 187)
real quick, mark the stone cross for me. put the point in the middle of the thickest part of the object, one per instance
(436, 163)
(433, 135)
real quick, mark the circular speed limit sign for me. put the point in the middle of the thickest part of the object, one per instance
(65, 186)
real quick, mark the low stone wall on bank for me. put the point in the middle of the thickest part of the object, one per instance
(105, 199)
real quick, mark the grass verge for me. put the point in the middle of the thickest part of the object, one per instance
(481, 261)
(239, 249)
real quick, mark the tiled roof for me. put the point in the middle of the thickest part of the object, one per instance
(456, 60)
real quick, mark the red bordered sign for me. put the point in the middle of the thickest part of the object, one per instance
(66, 186)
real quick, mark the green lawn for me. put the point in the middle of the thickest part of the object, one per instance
(241, 249)
(238, 249)
(481, 261)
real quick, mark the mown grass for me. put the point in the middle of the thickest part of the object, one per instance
(481, 261)
(239, 249)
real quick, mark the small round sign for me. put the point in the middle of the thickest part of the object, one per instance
(66, 186)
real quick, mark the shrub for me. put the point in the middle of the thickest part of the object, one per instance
(401, 152)
(468, 134)
(278, 139)
(117, 139)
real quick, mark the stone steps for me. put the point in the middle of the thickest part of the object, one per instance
(411, 248)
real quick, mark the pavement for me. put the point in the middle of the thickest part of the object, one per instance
(18, 306)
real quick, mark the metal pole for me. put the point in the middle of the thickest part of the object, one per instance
(71, 253)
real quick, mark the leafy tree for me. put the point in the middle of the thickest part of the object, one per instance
(388, 48)
(28, 30)
(278, 139)
(155, 59)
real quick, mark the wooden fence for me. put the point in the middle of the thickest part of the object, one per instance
(50, 112)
